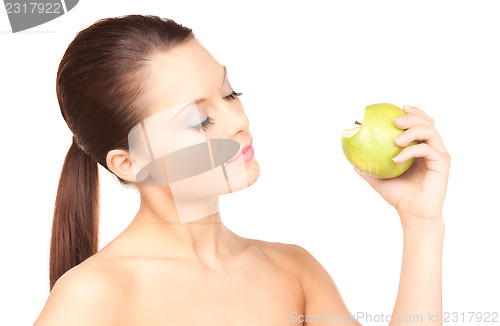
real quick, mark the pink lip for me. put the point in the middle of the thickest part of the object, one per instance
(245, 154)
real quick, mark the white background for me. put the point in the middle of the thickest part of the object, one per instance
(307, 70)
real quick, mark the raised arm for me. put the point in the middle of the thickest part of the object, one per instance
(419, 300)
(418, 196)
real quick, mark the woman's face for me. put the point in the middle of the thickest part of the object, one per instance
(191, 106)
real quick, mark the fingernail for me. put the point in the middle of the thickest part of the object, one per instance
(397, 140)
(396, 158)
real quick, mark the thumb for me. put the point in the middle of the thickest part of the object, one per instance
(372, 181)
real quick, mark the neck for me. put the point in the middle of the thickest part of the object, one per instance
(156, 231)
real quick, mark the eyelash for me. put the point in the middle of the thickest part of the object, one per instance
(204, 125)
(232, 95)
(209, 120)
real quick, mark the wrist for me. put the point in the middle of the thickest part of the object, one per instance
(416, 224)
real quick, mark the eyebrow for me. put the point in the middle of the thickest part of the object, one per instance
(202, 99)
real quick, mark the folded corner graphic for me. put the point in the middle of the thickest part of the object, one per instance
(185, 163)
(27, 14)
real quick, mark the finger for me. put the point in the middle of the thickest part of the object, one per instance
(430, 154)
(417, 111)
(411, 120)
(422, 133)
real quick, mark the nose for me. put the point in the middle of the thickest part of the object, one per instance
(234, 120)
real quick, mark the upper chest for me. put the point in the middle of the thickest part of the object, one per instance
(255, 292)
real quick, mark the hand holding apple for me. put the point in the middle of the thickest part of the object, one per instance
(418, 194)
(370, 146)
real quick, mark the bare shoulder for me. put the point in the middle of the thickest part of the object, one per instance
(309, 270)
(318, 287)
(86, 294)
(290, 255)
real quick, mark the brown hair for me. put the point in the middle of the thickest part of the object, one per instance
(100, 81)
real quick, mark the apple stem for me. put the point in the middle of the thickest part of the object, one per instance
(357, 123)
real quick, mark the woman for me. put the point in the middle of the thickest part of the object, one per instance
(163, 270)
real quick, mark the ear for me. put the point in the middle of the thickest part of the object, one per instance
(119, 162)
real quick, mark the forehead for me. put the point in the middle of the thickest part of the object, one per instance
(182, 74)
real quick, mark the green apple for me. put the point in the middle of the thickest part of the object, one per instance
(370, 146)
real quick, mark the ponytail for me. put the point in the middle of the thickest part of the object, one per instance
(76, 213)
(100, 87)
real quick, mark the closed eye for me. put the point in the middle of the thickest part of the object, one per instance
(209, 120)
(204, 125)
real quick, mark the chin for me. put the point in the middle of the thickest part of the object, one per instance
(243, 175)
(253, 171)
